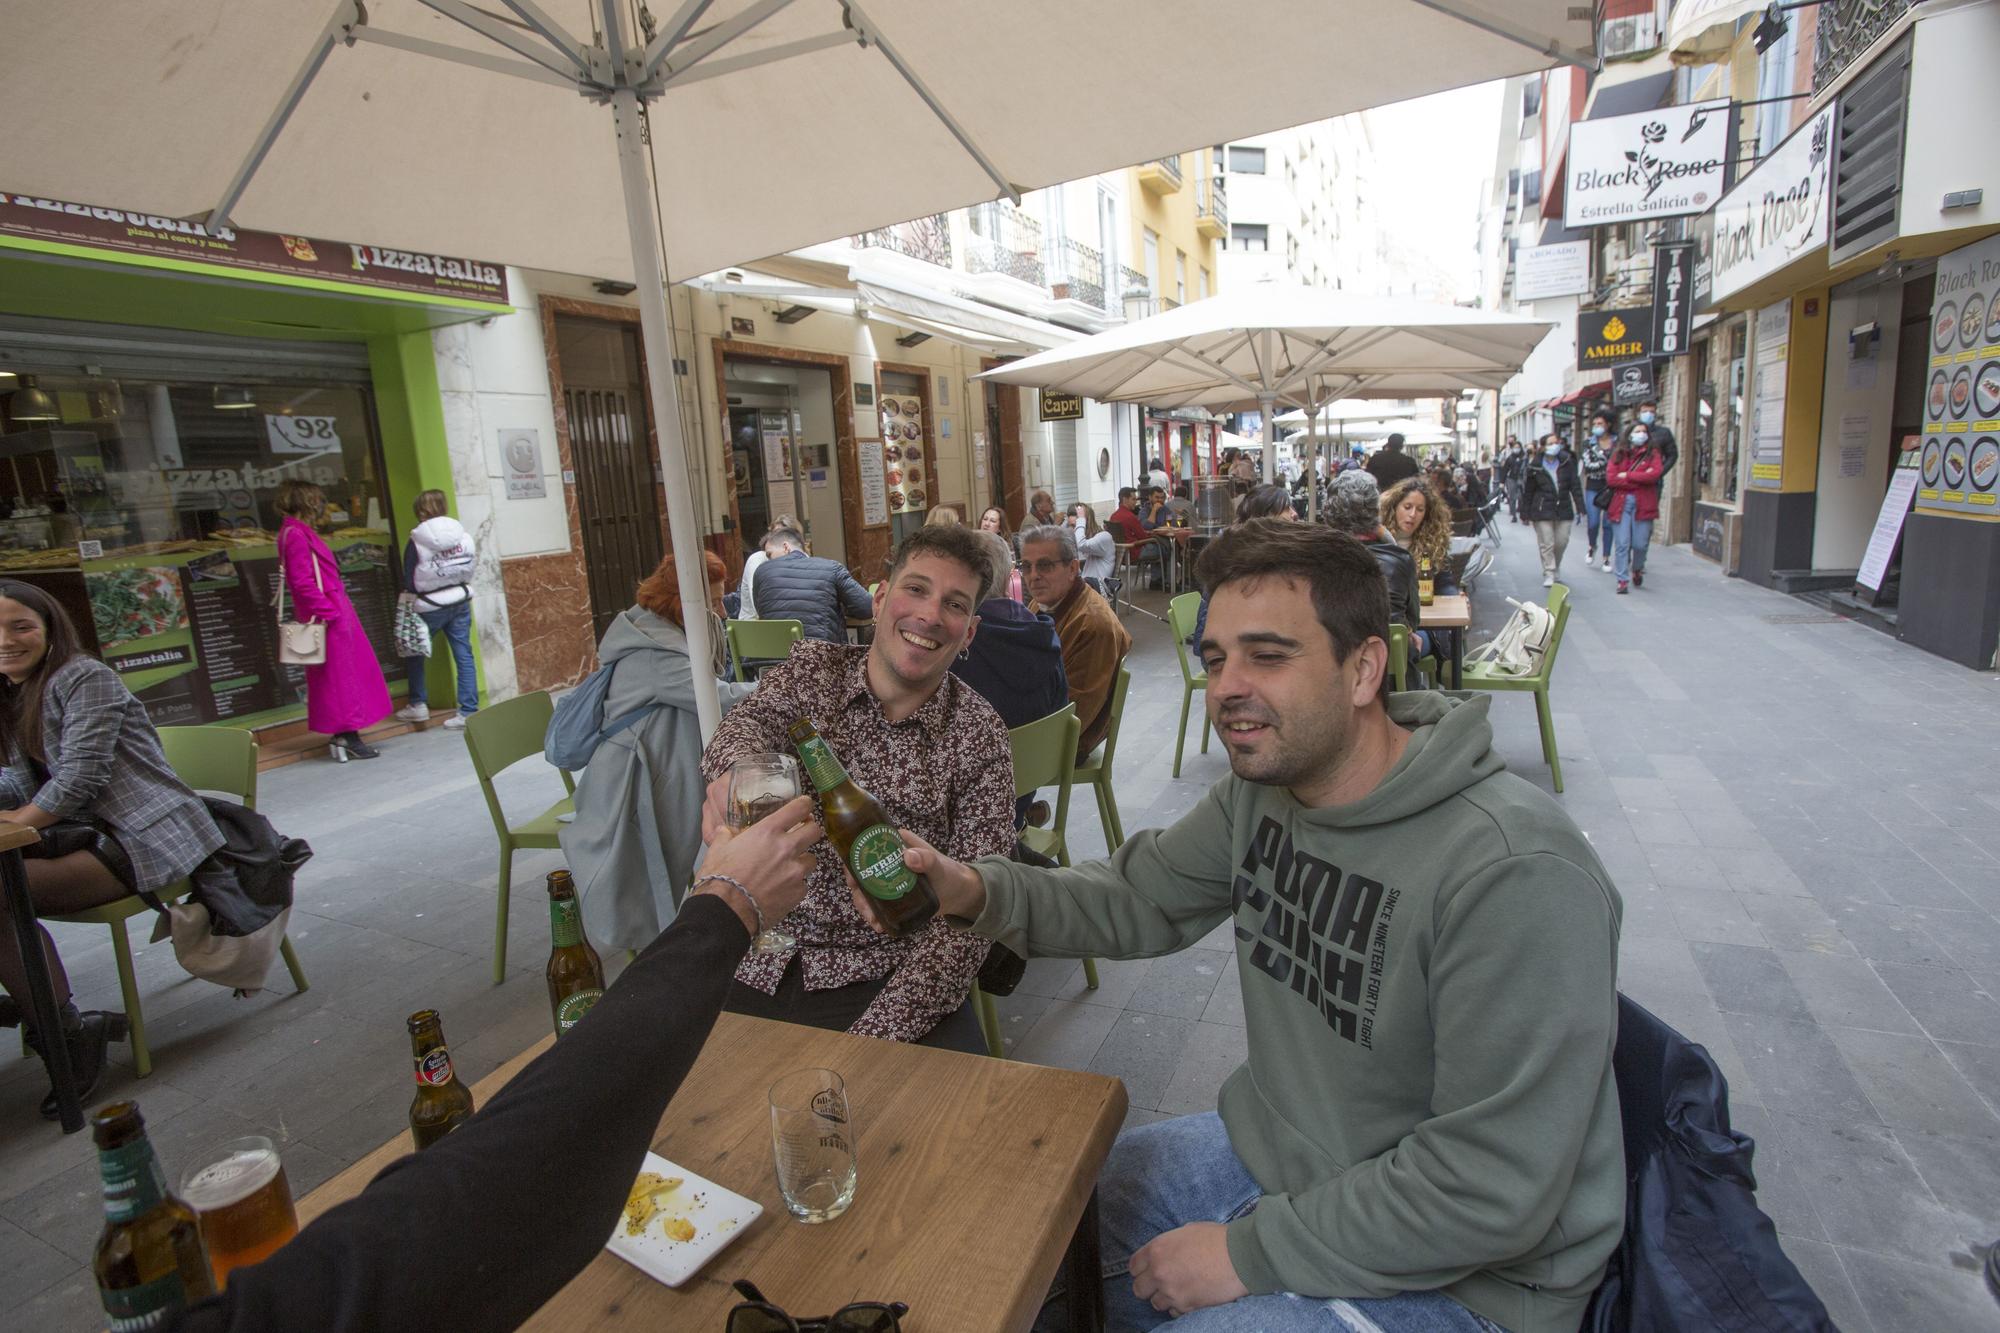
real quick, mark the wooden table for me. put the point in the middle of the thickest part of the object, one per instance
(1451, 611)
(974, 1174)
(41, 1010)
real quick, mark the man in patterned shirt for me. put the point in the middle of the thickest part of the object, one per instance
(937, 757)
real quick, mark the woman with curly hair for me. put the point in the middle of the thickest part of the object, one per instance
(1418, 520)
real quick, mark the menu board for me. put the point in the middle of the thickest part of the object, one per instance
(904, 477)
(1960, 467)
(1767, 401)
(874, 486)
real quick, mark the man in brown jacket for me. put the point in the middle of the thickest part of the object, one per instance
(1093, 642)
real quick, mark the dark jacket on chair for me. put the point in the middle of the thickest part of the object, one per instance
(1697, 1252)
(1399, 571)
(1015, 662)
(819, 594)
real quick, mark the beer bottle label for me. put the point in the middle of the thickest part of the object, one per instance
(434, 1067)
(564, 923)
(876, 858)
(825, 771)
(149, 1305)
(573, 1007)
(133, 1181)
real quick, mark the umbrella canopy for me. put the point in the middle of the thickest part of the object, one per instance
(1333, 415)
(442, 126)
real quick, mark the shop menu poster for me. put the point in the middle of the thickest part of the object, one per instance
(1773, 333)
(1959, 467)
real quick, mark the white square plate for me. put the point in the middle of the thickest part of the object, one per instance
(717, 1215)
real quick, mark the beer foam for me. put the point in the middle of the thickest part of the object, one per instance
(229, 1179)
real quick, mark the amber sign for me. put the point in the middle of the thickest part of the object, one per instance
(1062, 406)
(1607, 337)
(58, 226)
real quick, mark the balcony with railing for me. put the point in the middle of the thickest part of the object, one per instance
(1846, 29)
(1211, 212)
(928, 239)
(1162, 175)
(1005, 240)
(1077, 274)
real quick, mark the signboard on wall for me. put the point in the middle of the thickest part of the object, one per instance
(1778, 212)
(1771, 353)
(1632, 384)
(1608, 337)
(1061, 406)
(1663, 163)
(1960, 465)
(1552, 270)
(874, 487)
(521, 458)
(1673, 297)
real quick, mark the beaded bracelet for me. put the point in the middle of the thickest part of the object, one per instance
(736, 884)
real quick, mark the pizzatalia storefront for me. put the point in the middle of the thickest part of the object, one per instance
(158, 384)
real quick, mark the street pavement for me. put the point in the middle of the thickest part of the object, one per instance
(1798, 811)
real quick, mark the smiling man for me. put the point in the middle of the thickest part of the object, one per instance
(1093, 641)
(1425, 1135)
(937, 757)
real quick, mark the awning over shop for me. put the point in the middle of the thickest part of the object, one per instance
(1597, 389)
(987, 327)
(1702, 32)
(1622, 99)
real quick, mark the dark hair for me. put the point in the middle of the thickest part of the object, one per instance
(1348, 592)
(21, 705)
(953, 541)
(1125, 493)
(1035, 501)
(1610, 420)
(1263, 502)
(1394, 442)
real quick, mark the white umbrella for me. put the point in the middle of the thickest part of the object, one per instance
(1334, 413)
(441, 126)
(1270, 343)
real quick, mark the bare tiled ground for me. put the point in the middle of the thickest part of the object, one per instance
(1799, 815)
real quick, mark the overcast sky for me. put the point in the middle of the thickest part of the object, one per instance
(1432, 156)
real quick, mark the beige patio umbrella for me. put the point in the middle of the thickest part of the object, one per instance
(616, 140)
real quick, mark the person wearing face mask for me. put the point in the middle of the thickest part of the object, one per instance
(1552, 499)
(1661, 437)
(1603, 437)
(1633, 472)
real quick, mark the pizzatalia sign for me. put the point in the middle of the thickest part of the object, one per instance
(1669, 162)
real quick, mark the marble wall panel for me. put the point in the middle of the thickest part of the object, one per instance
(548, 612)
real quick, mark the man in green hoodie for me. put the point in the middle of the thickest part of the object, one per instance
(1426, 1134)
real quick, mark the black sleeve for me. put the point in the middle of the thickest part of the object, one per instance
(481, 1229)
(410, 566)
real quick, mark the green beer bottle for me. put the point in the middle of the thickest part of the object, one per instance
(150, 1262)
(860, 831)
(576, 976)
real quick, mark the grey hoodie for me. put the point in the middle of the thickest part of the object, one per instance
(1429, 988)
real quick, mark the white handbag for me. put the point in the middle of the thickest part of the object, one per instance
(300, 642)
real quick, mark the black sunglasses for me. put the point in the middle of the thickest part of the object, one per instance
(757, 1315)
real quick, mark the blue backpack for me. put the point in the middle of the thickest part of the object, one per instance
(578, 726)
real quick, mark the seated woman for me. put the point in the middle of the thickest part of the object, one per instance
(1094, 543)
(84, 765)
(1416, 519)
(638, 803)
(1015, 661)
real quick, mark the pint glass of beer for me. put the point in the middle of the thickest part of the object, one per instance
(244, 1202)
(760, 784)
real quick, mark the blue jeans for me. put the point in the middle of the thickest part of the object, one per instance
(1634, 535)
(1173, 1172)
(1594, 519)
(455, 623)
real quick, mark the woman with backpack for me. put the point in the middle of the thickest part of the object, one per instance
(1552, 500)
(1596, 454)
(437, 571)
(1633, 472)
(638, 801)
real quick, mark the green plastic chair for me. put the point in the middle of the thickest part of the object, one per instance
(1181, 613)
(761, 640)
(1044, 756)
(497, 738)
(1481, 676)
(1095, 768)
(217, 759)
(1399, 657)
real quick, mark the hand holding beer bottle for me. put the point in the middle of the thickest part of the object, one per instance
(890, 893)
(960, 892)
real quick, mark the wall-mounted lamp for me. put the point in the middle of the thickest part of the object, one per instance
(31, 404)
(792, 314)
(1770, 30)
(912, 338)
(612, 287)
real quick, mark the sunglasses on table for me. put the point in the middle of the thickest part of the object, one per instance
(757, 1315)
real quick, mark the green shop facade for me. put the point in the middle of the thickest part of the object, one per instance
(159, 383)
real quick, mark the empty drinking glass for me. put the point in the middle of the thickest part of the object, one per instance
(760, 784)
(812, 1139)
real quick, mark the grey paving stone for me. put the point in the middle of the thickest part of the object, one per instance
(1795, 923)
(1662, 826)
(1798, 1068)
(1179, 985)
(1067, 1035)
(1898, 1294)
(1980, 1066)
(1749, 979)
(1889, 934)
(1212, 1053)
(1913, 1086)
(1823, 1271)
(28, 1266)
(1781, 1186)
(1714, 915)
(1143, 1050)
(71, 1305)
(1868, 1195)
(1948, 1003)
(1843, 990)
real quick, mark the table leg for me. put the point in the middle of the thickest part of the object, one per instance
(1083, 1274)
(42, 1008)
(1458, 657)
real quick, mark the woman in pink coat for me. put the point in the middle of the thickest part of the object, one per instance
(346, 692)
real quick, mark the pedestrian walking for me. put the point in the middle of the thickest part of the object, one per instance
(1510, 477)
(1596, 454)
(1660, 435)
(437, 571)
(1633, 473)
(345, 692)
(1552, 500)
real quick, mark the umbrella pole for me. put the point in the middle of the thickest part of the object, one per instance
(1268, 404)
(656, 330)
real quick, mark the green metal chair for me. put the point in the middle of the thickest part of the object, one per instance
(1095, 768)
(497, 738)
(761, 640)
(1481, 676)
(217, 759)
(1399, 657)
(1044, 756)
(1181, 613)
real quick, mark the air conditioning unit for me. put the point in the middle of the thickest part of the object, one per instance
(1633, 35)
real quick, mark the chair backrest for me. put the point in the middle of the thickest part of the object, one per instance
(1181, 613)
(1558, 605)
(502, 735)
(218, 759)
(1045, 756)
(1399, 656)
(1118, 688)
(761, 640)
